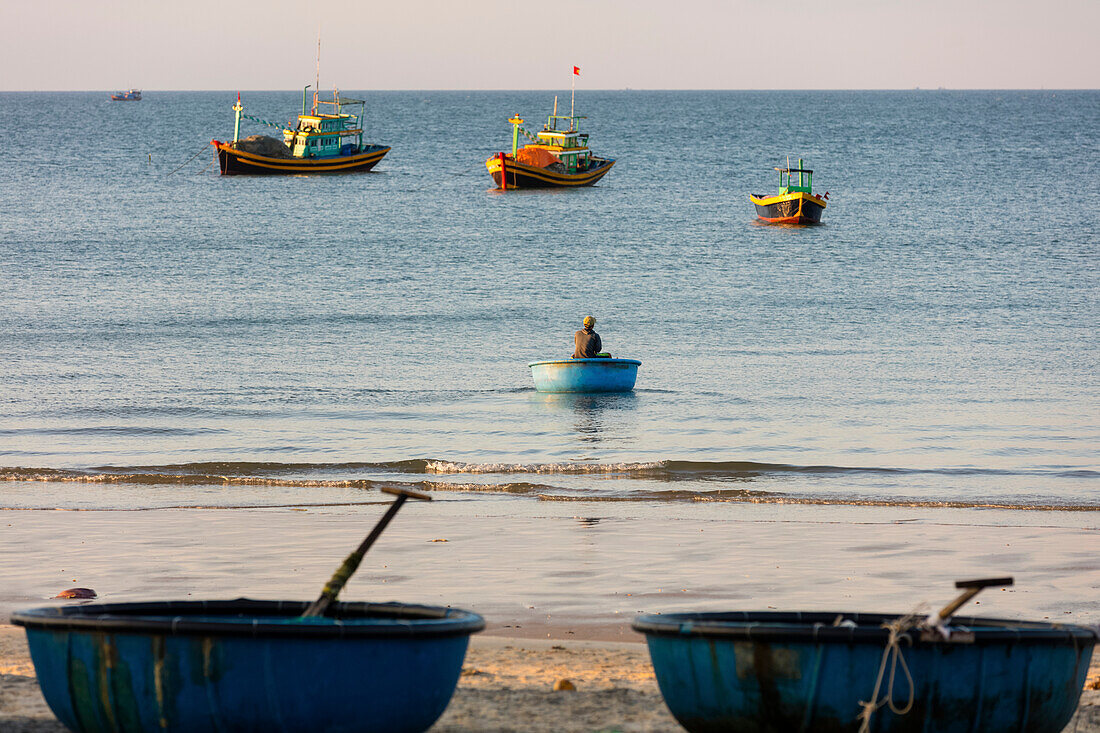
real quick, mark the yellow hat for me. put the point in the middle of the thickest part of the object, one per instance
(589, 321)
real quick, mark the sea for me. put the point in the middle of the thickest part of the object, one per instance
(170, 337)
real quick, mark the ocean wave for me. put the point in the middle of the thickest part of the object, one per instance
(662, 470)
(673, 470)
(795, 499)
(111, 430)
(250, 475)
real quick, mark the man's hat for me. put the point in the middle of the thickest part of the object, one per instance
(589, 321)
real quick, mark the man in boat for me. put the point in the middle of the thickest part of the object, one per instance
(586, 342)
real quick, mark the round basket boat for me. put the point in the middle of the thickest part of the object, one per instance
(247, 665)
(760, 672)
(585, 375)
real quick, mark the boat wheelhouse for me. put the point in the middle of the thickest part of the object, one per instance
(326, 139)
(795, 203)
(558, 156)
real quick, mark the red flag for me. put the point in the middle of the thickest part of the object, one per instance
(576, 71)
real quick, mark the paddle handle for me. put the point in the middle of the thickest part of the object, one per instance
(351, 562)
(972, 588)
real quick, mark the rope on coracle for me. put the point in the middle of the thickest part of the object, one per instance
(898, 631)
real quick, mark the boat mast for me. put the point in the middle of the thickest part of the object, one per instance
(237, 119)
(317, 80)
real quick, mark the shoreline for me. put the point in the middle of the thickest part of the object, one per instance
(577, 571)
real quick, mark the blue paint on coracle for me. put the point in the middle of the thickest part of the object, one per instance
(247, 666)
(585, 375)
(769, 672)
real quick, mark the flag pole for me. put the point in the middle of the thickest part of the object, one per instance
(572, 98)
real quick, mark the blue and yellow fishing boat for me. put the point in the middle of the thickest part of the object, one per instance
(328, 141)
(132, 95)
(795, 203)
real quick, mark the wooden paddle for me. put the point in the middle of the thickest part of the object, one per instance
(351, 562)
(971, 589)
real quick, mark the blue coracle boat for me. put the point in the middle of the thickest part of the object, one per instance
(247, 665)
(585, 375)
(776, 672)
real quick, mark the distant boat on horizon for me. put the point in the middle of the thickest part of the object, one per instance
(132, 95)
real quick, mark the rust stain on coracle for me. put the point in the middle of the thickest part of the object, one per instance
(159, 682)
(105, 662)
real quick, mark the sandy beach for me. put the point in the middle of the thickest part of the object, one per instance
(506, 685)
(558, 591)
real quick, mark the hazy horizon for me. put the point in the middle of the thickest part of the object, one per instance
(494, 45)
(550, 90)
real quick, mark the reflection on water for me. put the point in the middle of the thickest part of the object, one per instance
(597, 417)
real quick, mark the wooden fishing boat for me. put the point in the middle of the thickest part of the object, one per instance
(558, 156)
(328, 141)
(585, 375)
(557, 159)
(795, 203)
(132, 95)
(247, 665)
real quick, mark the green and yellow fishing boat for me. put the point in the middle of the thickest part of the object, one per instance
(557, 157)
(329, 141)
(795, 203)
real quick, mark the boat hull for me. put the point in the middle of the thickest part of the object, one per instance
(585, 375)
(232, 161)
(248, 666)
(507, 173)
(764, 672)
(789, 208)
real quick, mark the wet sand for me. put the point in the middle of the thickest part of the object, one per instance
(567, 569)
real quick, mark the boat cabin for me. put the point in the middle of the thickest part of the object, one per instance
(786, 180)
(320, 135)
(568, 146)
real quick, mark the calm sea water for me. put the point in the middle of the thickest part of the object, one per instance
(173, 336)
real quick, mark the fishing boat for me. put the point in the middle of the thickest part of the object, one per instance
(795, 203)
(131, 95)
(558, 156)
(603, 374)
(247, 665)
(328, 138)
(767, 671)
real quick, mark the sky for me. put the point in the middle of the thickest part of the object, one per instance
(60, 45)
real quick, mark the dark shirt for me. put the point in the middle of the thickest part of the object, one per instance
(587, 343)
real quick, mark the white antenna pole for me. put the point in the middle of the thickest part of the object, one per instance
(317, 81)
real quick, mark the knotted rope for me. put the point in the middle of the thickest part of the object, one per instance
(892, 653)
